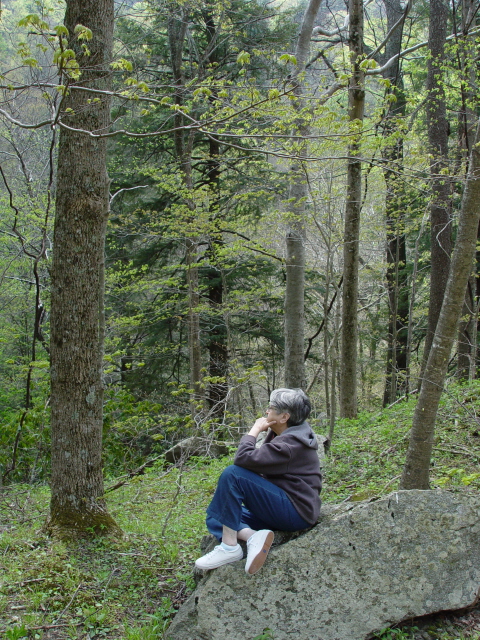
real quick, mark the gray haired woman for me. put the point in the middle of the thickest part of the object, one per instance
(275, 486)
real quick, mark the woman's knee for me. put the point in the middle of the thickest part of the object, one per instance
(228, 473)
(234, 472)
(228, 477)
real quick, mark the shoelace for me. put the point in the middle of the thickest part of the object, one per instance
(210, 553)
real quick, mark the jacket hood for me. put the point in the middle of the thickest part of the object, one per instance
(302, 432)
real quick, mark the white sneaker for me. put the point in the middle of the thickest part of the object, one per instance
(217, 557)
(258, 546)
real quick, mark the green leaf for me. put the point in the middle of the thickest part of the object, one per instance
(61, 30)
(83, 33)
(288, 59)
(122, 63)
(243, 58)
(31, 62)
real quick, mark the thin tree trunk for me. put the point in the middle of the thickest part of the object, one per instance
(294, 307)
(417, 465)
(356, 103)
(467, 65)
(295, 376)
(217, 338)
(326, 372)
(333, 402)
(217, 333)
(413, 293)
(194, 347)
(177, 29)
(396, 275)
(440, 227)
(77, 505)
(466, 328)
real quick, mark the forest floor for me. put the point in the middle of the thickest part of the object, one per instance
(129, 589)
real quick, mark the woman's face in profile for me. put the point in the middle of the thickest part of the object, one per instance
(279, 418)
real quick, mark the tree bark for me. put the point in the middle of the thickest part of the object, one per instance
(294, 305)
(396, 275)
(467, 66)
(356, 104)
(440, 223)
(194, 346)
(466, 328)
(217, 329)
(177, 29)
(417, 465)
(77, 505)
(217, 338)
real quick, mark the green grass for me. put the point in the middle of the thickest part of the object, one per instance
(129, 589)
(105, 588)
(368, 453)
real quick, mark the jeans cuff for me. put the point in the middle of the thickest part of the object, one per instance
(221, 519)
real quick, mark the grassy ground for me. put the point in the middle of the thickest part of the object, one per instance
(129, 589)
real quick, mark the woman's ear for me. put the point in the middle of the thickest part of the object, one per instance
(285, 418)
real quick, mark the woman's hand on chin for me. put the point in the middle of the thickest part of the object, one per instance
(262, 424)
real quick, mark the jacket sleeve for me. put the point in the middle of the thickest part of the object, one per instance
(272, 458)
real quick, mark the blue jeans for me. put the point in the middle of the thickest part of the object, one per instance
(245, 499)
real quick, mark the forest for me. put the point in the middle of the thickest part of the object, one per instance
(204, 200)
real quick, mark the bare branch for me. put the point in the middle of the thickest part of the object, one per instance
(39, 125)
(256, 249)
(117, 193)
(402, 54)
(399, 23)
(318, 31)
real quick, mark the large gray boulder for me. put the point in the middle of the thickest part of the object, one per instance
(364, 567)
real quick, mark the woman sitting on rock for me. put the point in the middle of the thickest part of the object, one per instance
(276, 486)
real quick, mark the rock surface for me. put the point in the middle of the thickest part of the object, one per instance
(364, 567)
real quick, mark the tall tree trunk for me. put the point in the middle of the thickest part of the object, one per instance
(396, 275)
(467, 66)
(475, 373)
(217, 331)
(440, 227)
(218, 335)
(466, 327)
(294, 306)
(417, 465)
(77, 505)
(177, 29)
(356, 104)
(194, 346)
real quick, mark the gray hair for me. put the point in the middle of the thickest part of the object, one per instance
(292, 401)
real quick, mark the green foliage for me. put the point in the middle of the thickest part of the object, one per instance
(120, 590)
(156, 626)
(360, 467)
(397, 634)
(265, 635)
(17, 633)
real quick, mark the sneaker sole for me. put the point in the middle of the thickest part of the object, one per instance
(259, 560)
